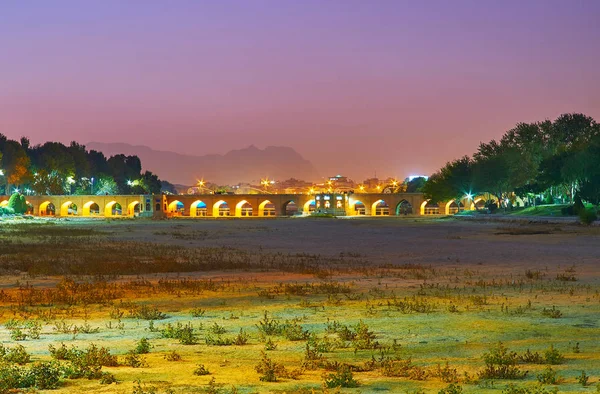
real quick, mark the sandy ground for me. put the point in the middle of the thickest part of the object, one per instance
(383, 240)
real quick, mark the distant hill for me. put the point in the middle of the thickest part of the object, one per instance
(242, 165)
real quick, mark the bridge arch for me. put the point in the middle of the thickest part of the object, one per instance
(429, 209)
(289, 208)
(221, 208)
(308, 207)
(133, 207)
(68, 208)
(452, 207)
(113, 208)
(243, 208)
(266, 208)
(380, 208)
(47, 209)
(175, 207)
(478, 203)
(404, 208)
(4, 203)
(89, 208)
(358, 208)
(198, 208)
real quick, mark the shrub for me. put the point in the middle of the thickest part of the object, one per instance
(201, 370)
(269, 326)
(134, 360)
(587, 216)
(343, 377)
(548, 376)
(172, 356)
(185, 333)
(294, 331)
(16, 355)
(583, 379)
(553, 356)
(552, 313)
(531, 358)
(14, 203)
(451, 389)
(44, 375)
(143, 346)
(146, 312)
(500, 363)
(364, 337)
(107, 378)
(269, 369)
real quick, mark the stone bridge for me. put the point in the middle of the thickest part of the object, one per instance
(230, 205)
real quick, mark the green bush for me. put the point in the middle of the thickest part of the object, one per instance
(451, 389)
(18, 205)
(343, 377)
(588, 216)
(143, 346)
(548, 376)
(15, 355)
(500, 363)
(201, 370)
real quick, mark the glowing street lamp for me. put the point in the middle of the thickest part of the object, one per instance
(361, 188)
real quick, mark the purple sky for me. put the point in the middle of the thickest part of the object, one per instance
(397, 87)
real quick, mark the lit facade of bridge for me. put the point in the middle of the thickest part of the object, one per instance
(233, 205)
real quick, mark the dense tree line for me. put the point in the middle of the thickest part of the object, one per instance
(545, 162)
(54, 168)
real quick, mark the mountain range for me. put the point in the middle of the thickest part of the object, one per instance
(250, 164)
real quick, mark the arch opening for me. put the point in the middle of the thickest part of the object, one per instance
(47, 209)
(198, 208)
(359, 208)
(113, 208)
(380, 208)
(478, 203)
(452, 207)
(266, 208)
(309, 207)
(290, 208)
(68, 208)
(404, 208)
(90, 208)
(428, 208)
(4, 203)
(175, 208)
(221, 208)
(243, 208)
(29, 210)
(133, 209)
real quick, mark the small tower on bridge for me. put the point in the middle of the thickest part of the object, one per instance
(331, 203)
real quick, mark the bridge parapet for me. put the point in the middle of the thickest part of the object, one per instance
(221, 205)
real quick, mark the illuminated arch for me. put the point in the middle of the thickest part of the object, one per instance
(64, 208)
(433, 210)
(449, 210)
(404, 208)
(358, 208)
(218, 211)
(268, 205)
(29, 208)
(46, 207)
(422, 208)
(474, 203)
(131, 208)
(241, 210)
(175, 207)
(113, 205)
(198, 208)
(4, 203)
(380, 208)
(86, 211)
(306, 209)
